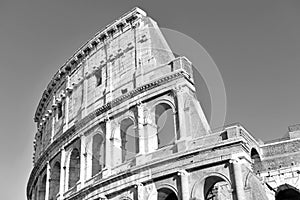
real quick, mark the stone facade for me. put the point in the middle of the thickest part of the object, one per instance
(120, 120)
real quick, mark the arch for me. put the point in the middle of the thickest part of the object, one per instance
(254, 155)
(256, 160)
(166, 100)
(98, 153)
(129, 139)
(287, 192)
(215, 186)
(115, 124)
(166, 193)
(74, 167)
(129, 114)
(165, 122)
(55, 181)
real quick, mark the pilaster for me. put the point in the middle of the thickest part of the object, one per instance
(108, 145)
(62, 173)
(82, 160)
(140, 126)
(179, 94)
(184, 181)
(140, 191)
(47, 181)
(238, 179)
(68, 93)
(151, 131)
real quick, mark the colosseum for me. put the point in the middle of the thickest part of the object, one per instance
(120, 120)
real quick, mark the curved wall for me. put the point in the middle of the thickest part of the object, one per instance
(104, 112)
(119, 120)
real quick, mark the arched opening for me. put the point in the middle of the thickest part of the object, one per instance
(216, 188)
(74, 167)
(97, 154)
(129, 140)
(165, 122)
(55, 180)
(166, 194)
(256, 161)
(254, 155)
(287, 192)
(42, 188)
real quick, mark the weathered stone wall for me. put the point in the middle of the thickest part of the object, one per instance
(124, 88)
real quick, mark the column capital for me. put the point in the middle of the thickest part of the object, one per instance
(102, 196)
(182, 172)
(178, 88)
(138, 184)
(106, 118)
(234, 160)
(139, 102)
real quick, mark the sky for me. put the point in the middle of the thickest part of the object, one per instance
(255, 45)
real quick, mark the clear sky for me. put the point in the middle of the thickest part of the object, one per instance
(255, 44)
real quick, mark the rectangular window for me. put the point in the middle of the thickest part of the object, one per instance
(59, 110)
(98, 75)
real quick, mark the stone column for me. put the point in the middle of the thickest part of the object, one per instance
(88, 161)
(108, 147)
(116, 151)
(151, 131)
(109, 76)
(184, 181)
(140, 127)
(52, 116)
(67, 111)
(238, 179)
(47, 181)
(62, 173)
(82, 160)
(150, 192)
(68, 93)
(85, 89)
(140, 191)
(179, 93)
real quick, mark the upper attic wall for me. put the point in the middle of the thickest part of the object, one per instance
(125, 61)
(129, 42)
